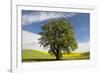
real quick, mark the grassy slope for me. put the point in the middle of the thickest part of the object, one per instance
(34, 55)
(29, 54)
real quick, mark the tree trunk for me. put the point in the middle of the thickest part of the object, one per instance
(58, 55)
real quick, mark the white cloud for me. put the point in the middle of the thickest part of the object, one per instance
(40, 16)
(83, 47)
(30, 41)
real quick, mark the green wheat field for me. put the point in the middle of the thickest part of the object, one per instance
(29, 55)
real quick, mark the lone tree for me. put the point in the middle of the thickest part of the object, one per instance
(58, 36)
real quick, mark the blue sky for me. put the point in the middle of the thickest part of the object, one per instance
(32, 21)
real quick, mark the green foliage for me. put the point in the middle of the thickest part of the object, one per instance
(58, 35)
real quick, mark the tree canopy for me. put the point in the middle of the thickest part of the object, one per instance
(58, 36)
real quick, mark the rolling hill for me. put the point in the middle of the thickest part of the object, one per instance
(29, 55)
